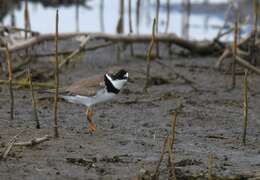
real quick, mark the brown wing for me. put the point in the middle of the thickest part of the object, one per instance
(86, 87)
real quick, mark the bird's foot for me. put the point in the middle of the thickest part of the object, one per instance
(91, 127)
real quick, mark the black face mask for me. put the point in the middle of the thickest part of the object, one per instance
(120, 75)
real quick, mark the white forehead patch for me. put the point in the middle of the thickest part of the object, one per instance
(118, 84)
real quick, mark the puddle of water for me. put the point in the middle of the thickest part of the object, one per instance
(202, 25)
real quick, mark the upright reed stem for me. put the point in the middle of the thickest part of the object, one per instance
(56, 133)
(10, 79)
(157, 26)
(34, 104)
(148, 56)
(245, 107)
(210, 167)
(171, 142)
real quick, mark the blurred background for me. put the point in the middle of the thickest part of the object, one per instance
(190, 19)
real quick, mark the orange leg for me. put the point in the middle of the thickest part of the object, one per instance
(91, 126)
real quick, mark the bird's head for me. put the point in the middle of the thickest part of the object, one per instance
(114, 82)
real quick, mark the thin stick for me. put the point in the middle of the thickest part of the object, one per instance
(10, 79)
(34, 104)
(148, 57)
(74, 53)
(157, 27)
(234, 52)
(156, 174)
(56, 133)
(210, 167)
(245, 107)
(130, 25)
(167, 15)
(33, 141)
(27, 27)
(172, 174)
(174, 119)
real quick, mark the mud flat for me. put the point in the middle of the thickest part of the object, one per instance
(132, 127)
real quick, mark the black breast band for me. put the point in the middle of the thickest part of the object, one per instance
(109, 86)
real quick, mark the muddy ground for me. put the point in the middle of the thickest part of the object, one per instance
(132, 127)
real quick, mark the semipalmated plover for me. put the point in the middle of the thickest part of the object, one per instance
(95, 90)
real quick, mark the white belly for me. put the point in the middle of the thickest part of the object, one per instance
(101, 96)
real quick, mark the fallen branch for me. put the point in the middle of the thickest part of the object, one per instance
(192, 46)
(224, 55)
(247, 65)
(33, 141)
(71, 51)
(38, 39)
(9, 29)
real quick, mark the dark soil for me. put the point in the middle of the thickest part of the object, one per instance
(131, 129)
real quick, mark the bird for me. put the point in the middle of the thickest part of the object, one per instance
(94, 90)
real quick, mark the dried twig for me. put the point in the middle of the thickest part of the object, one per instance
(245, 85)
(10, 145)
(247, 65)
(225, 54)
(157, 172)
(34, 104)
(171, 142)
(33, 141)
(10, 81)
(148, 57)
(74, 53)
(56, 133)
(157, 26)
